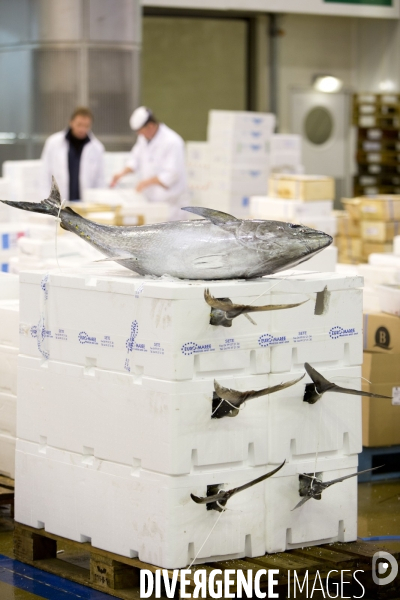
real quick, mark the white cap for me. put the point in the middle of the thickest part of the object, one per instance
(139, 118)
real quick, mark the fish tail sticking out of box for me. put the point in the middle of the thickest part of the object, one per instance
(312, 486)
(315, 390)
(227, 402)
(223, 310)
(218, 500)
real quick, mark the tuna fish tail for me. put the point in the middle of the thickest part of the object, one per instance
(50, 206)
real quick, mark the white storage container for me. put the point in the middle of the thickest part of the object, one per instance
(239, 180)
(297, 430)
(389, 299)
(161, 425)
(161, 328)
(264, 207)
(286, 153)
(153, 516)
(331, 519)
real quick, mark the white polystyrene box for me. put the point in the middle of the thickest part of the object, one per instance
(239, 180)
(396, 245)
(323, 262)
(389, 299)
(161, 425)
(153, 516)
(9, 286)
(384, 259)
(265, 207)
(371, 302)
(8, 369)
(7, 454)
(376, 275)
(161, 328)
(297, 430)
(9, 323)
(8, 414)
(331, 519)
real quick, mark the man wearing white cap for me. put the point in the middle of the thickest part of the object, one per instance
(159, 159)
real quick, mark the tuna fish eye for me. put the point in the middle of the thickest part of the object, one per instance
(293, 225)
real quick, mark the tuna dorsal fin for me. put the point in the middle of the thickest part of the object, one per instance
(215, 216)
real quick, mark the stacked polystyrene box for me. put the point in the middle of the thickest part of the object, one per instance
(9, 340)
(24, 177)
(115, 397)
(286, 153)
(10, 233)
(382, 281)
(239, 151)
(198, 172)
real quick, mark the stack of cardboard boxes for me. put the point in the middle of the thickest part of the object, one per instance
(367, 226)
(381, 367)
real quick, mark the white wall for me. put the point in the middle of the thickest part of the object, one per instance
(377, 54)
(313, 45)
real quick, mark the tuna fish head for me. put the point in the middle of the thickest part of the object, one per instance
(288, 244)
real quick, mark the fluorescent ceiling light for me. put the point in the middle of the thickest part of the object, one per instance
(327, 83)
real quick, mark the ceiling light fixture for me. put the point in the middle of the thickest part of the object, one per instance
(327, 83)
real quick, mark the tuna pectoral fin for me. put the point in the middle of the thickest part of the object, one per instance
(235, 310)
(236, 398)
(342, 390)
(116, 258)
(215, 216)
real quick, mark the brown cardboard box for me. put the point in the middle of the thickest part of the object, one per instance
(349, 249)
(352, 207)
(302, 187)
(380, 208)
(375, 247)
(382, 333)
(379, 231)
(381, 417)
(346, 225)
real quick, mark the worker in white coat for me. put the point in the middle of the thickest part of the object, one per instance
(158, 157)
(75, 157)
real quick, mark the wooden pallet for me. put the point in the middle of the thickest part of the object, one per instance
(119, 576)
(7, 492)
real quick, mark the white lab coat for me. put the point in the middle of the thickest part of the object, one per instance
(55, 162)
(162, 157)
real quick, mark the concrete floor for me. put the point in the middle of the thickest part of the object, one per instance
(379, 515)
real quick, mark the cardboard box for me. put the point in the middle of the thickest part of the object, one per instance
(379, 231)
(382, 334)
(302, 187)
(369, 248)
(380, 208)
(381, 418)
(353, 207)
(346, 225)
(350, 249)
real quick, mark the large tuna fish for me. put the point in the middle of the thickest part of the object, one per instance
(216, 247)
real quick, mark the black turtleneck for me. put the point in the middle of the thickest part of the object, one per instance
(74, 158)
